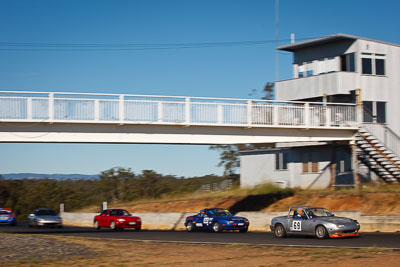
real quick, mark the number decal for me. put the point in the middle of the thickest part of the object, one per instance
(296, 226)
(207, 220)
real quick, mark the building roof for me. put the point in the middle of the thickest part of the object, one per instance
(325, 40)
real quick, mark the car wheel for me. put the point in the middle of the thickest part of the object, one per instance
(96, 225)
(217, 227)
(279, 231)
(321, 232)
(138, 229)
(14, 223)
(190, 226)
(244, 230)
(112, 225)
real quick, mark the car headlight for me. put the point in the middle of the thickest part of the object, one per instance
(340, 226)
(230, 221)
(121, 220)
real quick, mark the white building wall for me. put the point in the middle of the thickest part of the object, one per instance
(259, 167)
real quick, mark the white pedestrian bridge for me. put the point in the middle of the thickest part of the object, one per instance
(115, 118)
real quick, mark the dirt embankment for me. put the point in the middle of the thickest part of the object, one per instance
(367, 203)
(183, 205)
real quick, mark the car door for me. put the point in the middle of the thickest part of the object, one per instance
(300, 225)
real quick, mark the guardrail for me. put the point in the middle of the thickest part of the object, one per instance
(143, 109)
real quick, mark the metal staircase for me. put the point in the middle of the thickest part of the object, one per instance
(377, 149)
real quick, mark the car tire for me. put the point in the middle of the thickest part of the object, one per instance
(14, 223)
(190, 226)
(113, 226)
(279, 231)
(96, 225)
(138, 229)
(244, 230)
(217, 227)
(321, 232)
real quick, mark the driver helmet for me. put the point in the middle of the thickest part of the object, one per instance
(300, 212)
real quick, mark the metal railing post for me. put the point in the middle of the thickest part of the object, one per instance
(121, 109)
(51, 107)
(96, 110)
(328, 116)
(307, 114)
(249, 112)
(29, 108)
(220, 114)
(187, 110)
(159, 111)
(275, 110)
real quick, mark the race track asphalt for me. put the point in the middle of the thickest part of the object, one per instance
(382, 240)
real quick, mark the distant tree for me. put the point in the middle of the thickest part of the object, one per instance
(269, 91)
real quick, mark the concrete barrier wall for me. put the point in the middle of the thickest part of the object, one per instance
(259, 221)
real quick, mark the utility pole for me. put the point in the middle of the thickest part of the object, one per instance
(276, 40)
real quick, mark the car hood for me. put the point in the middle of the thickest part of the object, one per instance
(128, 217)
(336, 220)
(230, 218)
(48, 217)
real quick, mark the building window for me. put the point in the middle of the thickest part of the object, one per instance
(366, 66)
(374, 111)
(310, 162)
(381, 112)
(373, 64)
(380, 66)
(281, 161)
(347, 62)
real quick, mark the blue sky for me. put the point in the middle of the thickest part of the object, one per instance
(210, 72)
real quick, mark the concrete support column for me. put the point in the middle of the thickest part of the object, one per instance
(356, 170)
(359, 109)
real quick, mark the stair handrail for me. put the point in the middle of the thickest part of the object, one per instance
(390, 139)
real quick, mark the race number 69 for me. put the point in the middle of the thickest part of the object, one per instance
(296, 225)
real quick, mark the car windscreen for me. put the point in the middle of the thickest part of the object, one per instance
(319, 212)
(45, 212)
(219, 212)
(119, 213)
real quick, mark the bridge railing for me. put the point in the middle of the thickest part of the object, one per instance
(142, 109)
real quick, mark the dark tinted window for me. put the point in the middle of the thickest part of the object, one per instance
(381, 111)
(366, 66)
(45, 212)
(368, 115)
(380, 66)
(347, 62)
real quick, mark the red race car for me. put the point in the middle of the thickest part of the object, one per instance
(116, 219)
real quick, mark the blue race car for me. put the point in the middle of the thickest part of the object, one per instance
(7, 217)
(216, 220)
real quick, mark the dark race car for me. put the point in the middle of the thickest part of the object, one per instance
(7, 217)
(314, 221)
(216, 220)
(116, 219)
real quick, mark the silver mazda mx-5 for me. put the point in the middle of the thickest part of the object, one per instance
(315, 221)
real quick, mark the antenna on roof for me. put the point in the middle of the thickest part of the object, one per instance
(292, 38)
